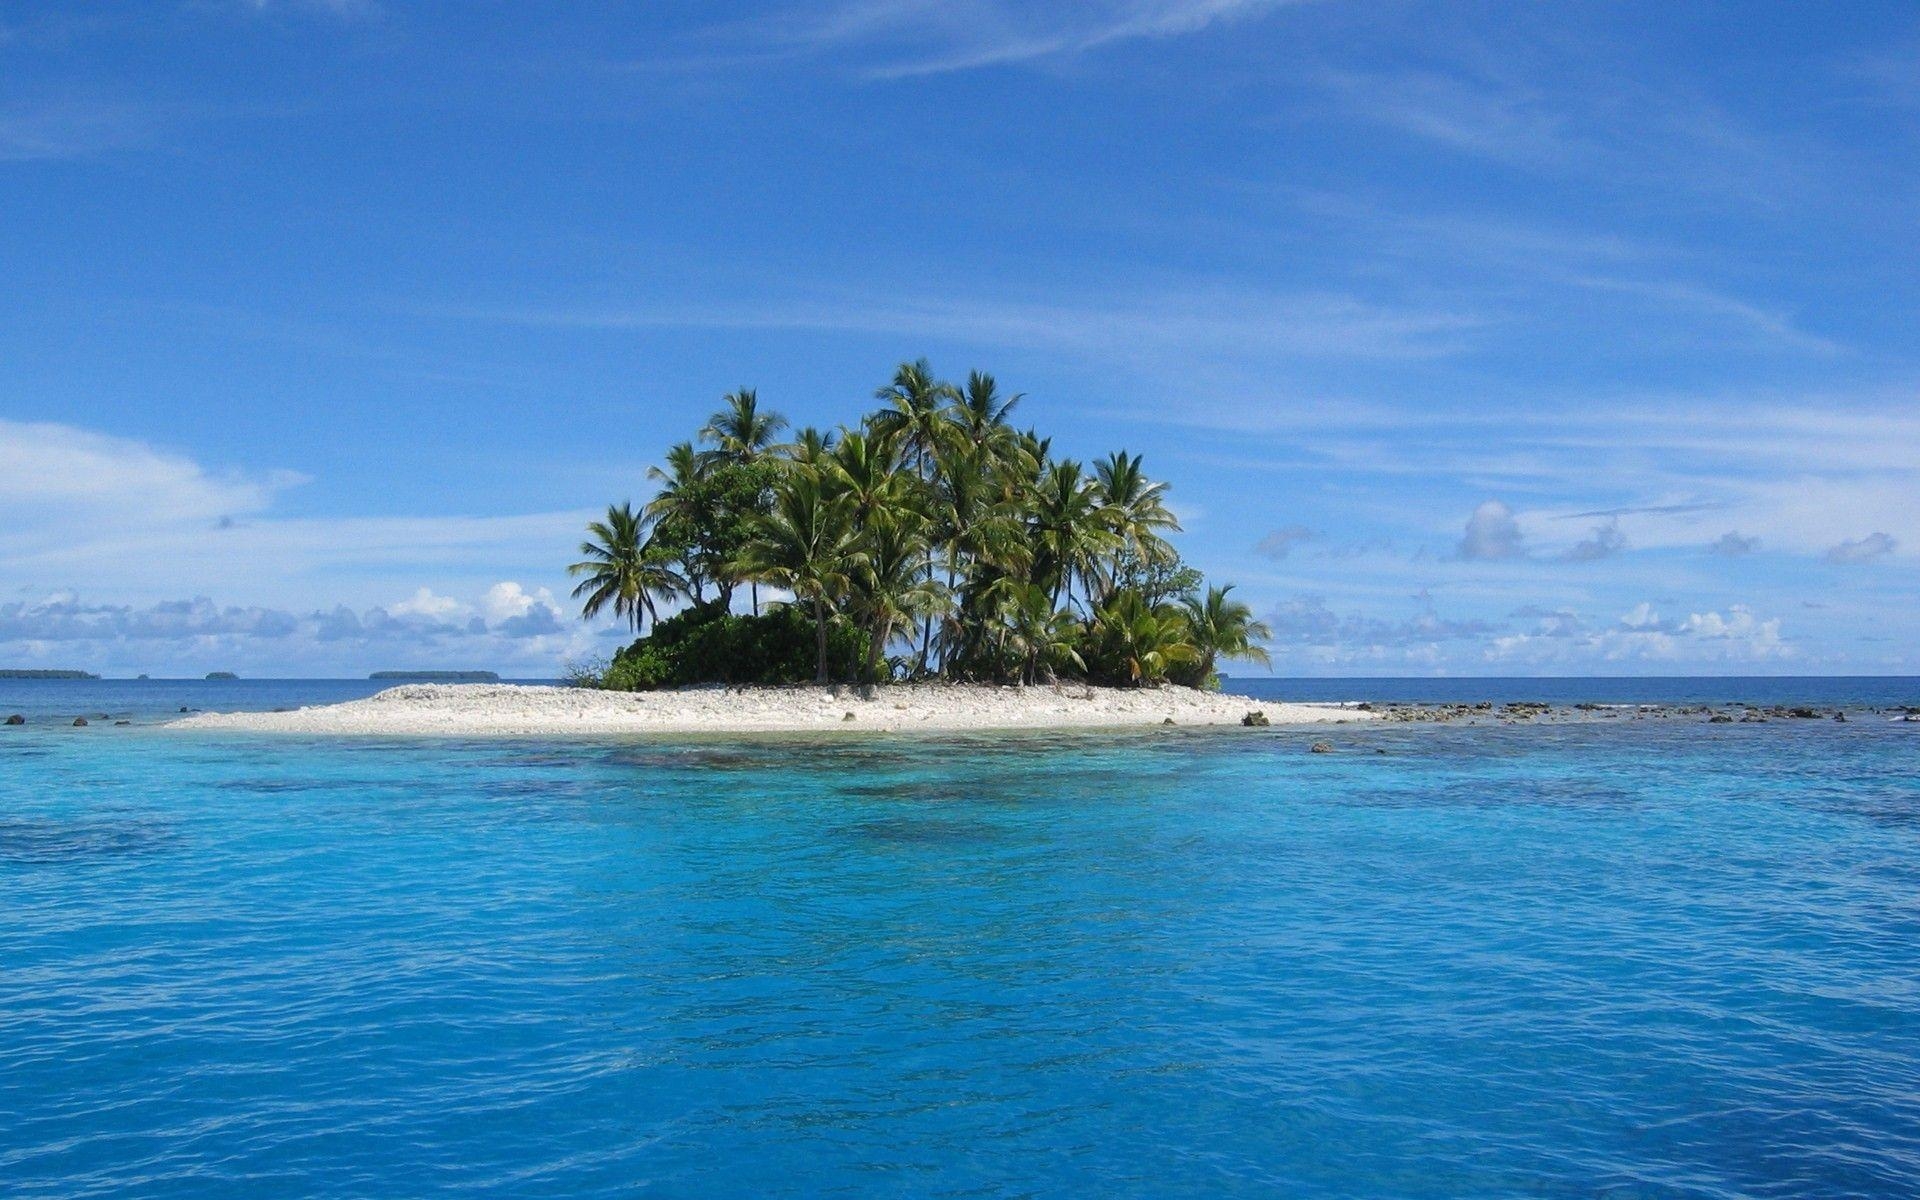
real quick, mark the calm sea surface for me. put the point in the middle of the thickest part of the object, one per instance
(1621, 958)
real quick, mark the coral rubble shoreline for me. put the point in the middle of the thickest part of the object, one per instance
(521, 710)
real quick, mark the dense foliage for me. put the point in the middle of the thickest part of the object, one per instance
(706, 643)
(934, 528)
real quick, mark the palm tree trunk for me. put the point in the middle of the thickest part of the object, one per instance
(875, 647)
(952, 567)
(819, 641)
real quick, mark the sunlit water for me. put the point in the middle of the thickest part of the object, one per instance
(1625, 958)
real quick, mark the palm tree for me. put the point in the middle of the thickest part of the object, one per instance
(890, 585)
(916, 412)
(740, 432)
(979, 532)
(867, 469)
(741, 435)
(623, 570)
(678, 500)
(981, 412)
(916, 417)
(1149, 642)
(810, 447)
(1071, 528)
(1140, 505)
(1040, 634)
(806, 546)
(1223, 628)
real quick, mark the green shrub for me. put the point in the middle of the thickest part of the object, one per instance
(707, 644)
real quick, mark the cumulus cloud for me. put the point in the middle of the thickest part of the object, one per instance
(1491, 534)
(426, 603)
(1732, 544)
(1866, 549)
(1641, 616)
(1739, 625)
(1306, 620)
(64, 618)
(513, 611)
(1280, 542)
(1607, 541)
(1641, 635)
(518, 626)
(1551, 622)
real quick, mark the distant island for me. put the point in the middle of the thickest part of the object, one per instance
(435, 676)
(39, 674)
(221, 675)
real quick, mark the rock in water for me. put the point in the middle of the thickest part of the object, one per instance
(1256, 717)
(16, 719)
(79, 721)
(1322, 747)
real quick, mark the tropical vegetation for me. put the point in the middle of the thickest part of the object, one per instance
(934, 539)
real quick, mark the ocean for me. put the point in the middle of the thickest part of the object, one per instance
(1649, 958)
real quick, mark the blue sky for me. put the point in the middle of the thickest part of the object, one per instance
(1473, 338)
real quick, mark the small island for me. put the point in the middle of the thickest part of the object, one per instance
(435, 677)
(44, 674)
(221, 676)
(930, 567)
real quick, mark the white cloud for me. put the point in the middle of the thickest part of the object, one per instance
(902, 38)
(1491, 534)
(1760, 638)
(1732, 544)
(49, 470)
(92, 511)
(523, 630)
(1859, 550)
(1704, 640)
(1607, 541)
(426, 603)
(1280, 542)
(1180, 323)
(1641, 616)
(511, 610)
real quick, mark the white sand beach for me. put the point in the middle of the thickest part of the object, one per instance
(508, 709)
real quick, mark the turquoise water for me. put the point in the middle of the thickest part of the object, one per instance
(1610, 959)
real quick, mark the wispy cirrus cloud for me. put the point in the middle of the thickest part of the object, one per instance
(1181, 323)
(90, 510)
(1530, 98)
(48, 468)
(72, 127)
(896, 39)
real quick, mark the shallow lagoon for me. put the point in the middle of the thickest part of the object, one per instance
(1649, 958)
